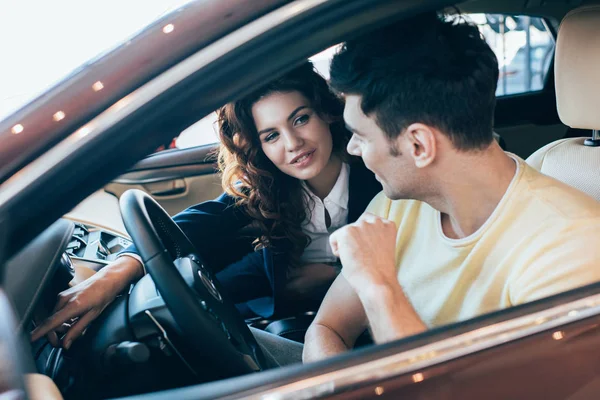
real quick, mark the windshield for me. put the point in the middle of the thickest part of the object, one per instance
(46, 41)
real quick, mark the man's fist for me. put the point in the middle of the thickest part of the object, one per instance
(367, 250)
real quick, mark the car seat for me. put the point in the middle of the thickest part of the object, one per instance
(576, 161)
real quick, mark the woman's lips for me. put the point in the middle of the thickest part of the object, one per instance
(303, 159)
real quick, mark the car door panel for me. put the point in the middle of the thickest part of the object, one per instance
(174, 194)
(176, 179)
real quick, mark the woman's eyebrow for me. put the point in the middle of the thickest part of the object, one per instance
(292, 115)
(266, 131)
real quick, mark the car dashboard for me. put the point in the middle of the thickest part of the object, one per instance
(90, 243)
(62, 256)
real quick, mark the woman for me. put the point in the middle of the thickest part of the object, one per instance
(288, 183)
(284, 161)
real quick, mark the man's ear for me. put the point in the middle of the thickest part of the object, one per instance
(422, 144)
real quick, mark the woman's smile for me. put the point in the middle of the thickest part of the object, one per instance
(303, 159)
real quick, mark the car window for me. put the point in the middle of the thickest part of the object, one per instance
(205, 131)
(201, 133)
(524, 47)
(523, 44)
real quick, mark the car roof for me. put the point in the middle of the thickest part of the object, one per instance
(96, 85)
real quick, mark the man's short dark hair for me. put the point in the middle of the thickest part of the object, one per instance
(426, 69)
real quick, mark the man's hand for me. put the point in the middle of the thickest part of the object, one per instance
(367, 250)
(85, 301)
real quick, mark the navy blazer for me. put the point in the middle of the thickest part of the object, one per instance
(219, 231)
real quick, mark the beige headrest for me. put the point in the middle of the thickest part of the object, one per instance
(577, 68)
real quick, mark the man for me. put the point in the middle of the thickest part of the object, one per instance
(462, 228)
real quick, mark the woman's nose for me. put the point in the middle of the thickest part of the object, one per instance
(292, 141)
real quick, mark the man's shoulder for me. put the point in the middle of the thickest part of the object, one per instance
(557, 199)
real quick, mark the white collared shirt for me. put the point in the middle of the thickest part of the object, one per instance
(336, 203)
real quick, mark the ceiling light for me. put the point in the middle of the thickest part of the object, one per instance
(98, 86)
(58, 116)
(18, 128)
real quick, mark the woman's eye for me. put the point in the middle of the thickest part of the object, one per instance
(271, 136)
(301, 120)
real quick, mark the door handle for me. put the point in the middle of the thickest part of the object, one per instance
(166, 188)
(169, 192)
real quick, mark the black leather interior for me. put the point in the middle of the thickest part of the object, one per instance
(500, 141)
(293, 328)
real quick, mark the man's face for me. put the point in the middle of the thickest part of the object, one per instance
(386, 158)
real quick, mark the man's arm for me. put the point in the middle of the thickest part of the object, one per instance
(340, 321)
(367, 249)
(390, 314)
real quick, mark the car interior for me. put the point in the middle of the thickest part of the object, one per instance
(144, 343)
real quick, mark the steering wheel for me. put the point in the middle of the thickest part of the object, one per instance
(207, 319)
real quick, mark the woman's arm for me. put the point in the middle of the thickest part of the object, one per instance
(208, 226)
(212, 220)
(245, 279)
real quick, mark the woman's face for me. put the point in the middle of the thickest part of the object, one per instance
(292, 135)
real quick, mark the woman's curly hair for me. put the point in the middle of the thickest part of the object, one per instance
(274, 200)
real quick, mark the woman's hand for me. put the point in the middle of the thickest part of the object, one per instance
(86, 301)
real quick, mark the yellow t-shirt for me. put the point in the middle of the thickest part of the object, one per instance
(543, 238)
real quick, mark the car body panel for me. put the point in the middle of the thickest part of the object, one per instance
(531, 351)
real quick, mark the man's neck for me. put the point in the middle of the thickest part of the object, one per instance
(470, 189)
